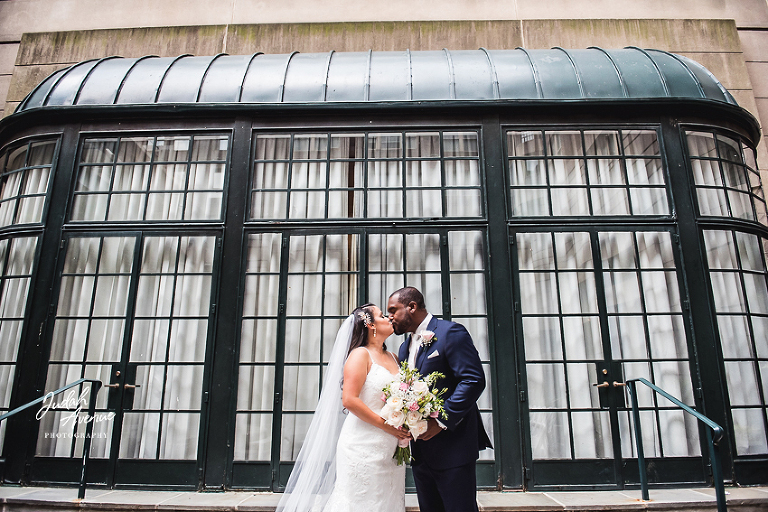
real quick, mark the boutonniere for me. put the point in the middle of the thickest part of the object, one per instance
(427, 337)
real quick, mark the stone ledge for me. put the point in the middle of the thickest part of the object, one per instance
(40, 499)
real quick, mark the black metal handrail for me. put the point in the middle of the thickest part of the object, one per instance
(95, 387)
(714, 435)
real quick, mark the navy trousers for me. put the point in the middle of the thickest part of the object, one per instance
(446, 490)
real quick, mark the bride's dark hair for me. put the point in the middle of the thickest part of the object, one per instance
(363, 316)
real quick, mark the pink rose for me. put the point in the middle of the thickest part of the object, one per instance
(383, 397)
(433, 414)
(403, 386)
(414, 406)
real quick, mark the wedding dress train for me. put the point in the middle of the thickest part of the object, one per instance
(367, 477)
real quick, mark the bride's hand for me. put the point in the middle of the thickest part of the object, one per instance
(398, 433)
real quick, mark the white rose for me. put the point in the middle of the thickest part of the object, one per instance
(420, 387)
(396, 419)
(395, 403)
(419, 428)
(386, 411)
(412, 418)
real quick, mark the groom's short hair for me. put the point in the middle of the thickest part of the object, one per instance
(410, 294)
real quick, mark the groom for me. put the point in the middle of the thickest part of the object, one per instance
(445, 456)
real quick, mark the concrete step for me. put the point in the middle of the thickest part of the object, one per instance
(44, 499)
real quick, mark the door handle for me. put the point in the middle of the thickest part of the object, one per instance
(134, 386)
(113, 386)
(618, 384)
(602, 385)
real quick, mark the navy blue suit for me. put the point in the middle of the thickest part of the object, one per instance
(444, 466)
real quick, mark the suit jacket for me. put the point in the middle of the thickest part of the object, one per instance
(453, 354)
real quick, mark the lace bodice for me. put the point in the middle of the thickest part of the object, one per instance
(370, 394)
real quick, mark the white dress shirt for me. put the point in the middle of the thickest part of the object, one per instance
(413, 349)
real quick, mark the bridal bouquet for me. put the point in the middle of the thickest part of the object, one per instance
(410, 401)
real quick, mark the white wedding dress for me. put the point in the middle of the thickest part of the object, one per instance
(367, 477)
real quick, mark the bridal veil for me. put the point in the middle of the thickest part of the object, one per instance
(314, 473)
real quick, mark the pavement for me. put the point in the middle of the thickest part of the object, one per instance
(41, 499)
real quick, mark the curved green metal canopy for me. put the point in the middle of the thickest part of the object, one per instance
(550, 75)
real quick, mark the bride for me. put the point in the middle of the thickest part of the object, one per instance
(345, 463)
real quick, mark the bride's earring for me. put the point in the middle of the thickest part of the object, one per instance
(374, 332)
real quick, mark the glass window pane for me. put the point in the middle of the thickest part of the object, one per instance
(546, 386)
(734, 336)
(347, 146)
(574, 250)
(135, 149)
(268, 205)
(422, 145)
(535, 251)
(577, 292)
(550, 435)
(726, 287)
(627, 337)
(667, 335)
(567, 172)
(253, 437)
(582, 337)
(735, 176)
(270, 175)
(179, 436)
(640, 142)
(530, 202)
(460, 144)
(423, 251)
(210, 147)
(757, 293)
(538, 293)
(462, 173)
(706, 172)
(258, 341)
(273, 147)
(592, 435)
(172, 149)
(423, 203)
(563, 143)
(622, 292)
(655, 249)
(661, 292)
(701, 144)
(649, 201)
(527, 172)
(742, 383)
(522, 144)
(569, 201)
(741, 205)
(385, 145)
(465, 248)
(601, 143)
(749, 431)
(346, 175)
(542, 338)
(605, 172)
(385, 252)
(645, 172)
(98, 151)
(468, 294)
(730, 149)
(609, 201)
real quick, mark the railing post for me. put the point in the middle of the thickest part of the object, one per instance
(95, 387)
(638, 441)
(717, 472)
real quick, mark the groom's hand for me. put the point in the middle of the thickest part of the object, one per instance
(432, 430)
